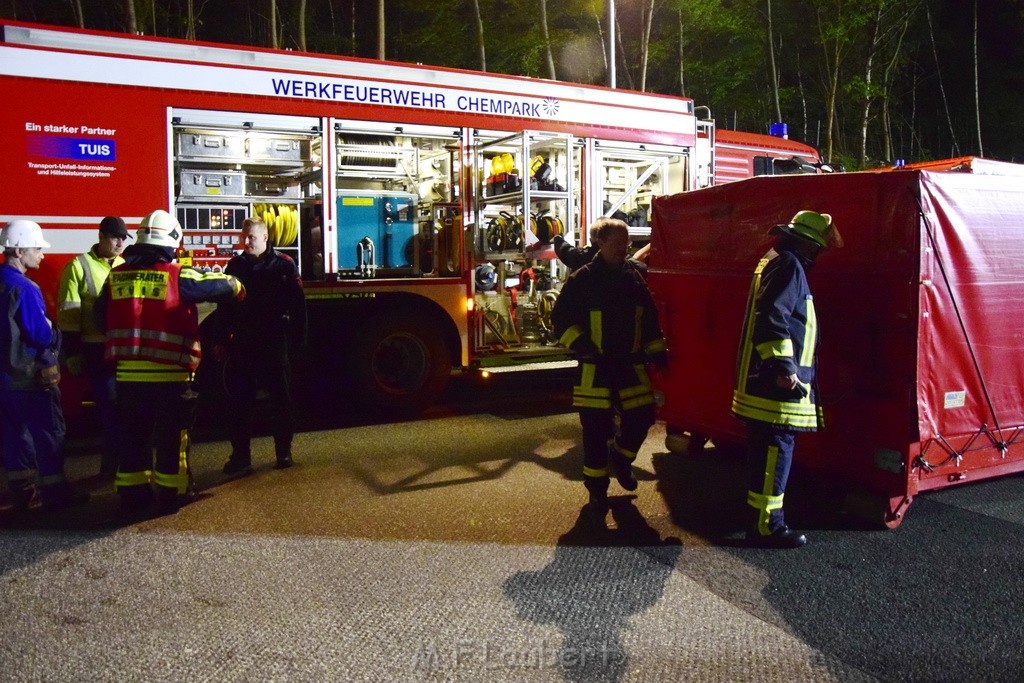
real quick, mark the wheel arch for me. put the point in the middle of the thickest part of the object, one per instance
(333, 320)
(426, 311)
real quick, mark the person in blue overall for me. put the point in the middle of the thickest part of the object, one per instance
(31, 420)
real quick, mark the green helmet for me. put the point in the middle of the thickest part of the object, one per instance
(813, 226)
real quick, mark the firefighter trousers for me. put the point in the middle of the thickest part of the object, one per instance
(603, 392)
(154, 418)
(769, 457)
(601, 437)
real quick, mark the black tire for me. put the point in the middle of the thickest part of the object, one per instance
(676, 440)
(872, 510)
(400, 363)
(682, 442)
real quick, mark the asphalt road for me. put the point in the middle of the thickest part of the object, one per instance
(453, 547)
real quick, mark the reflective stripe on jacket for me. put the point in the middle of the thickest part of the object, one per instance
(148, 321)
(780, 337)
(607, 317)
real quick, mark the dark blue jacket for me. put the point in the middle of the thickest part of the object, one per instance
(780, 338)
(607, 311)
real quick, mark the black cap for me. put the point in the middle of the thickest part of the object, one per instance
(112, 225)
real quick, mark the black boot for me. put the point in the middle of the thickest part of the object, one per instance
(136, 500)
(238, 465)
(283, 449)
(623, 468)
(21, 496)
(168, 501)
(781, 538)
(598, 487)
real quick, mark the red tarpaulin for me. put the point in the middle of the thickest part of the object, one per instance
(921, 361)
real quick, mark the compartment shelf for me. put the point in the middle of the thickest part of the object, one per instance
(521, 151)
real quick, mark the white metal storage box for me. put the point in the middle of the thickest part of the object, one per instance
(265, 186)
(202, 183)
(205, 144)
(264, 147)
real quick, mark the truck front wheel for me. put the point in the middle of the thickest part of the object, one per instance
(401, 364)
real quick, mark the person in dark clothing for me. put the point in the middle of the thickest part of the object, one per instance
(82, 343)
(576, 257)
(776, 393)
(606, 316)
(254, 338)
(572, 256)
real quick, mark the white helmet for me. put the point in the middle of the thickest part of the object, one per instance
(22, 234)
(160, 229)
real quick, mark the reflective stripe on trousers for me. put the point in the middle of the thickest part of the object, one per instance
(161, 414)
(769, 458)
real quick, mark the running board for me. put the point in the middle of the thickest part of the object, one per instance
(522, 367)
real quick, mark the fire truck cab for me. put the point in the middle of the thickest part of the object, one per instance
(740, 155)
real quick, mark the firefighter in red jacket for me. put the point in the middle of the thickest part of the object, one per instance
(776, 392)
(148, 311)
(606, 316)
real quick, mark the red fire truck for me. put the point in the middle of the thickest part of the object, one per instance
(419, 203)
(739, 155)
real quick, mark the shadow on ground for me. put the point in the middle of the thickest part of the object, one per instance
(589, 594)
(706, 494)
(926, 601)
(505, 397)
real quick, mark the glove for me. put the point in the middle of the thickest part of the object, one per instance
(49, 376)
(74, 365)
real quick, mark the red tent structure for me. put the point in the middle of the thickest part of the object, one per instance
(976, 165)
(921, 363)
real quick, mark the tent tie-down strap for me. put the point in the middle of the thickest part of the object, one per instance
(957, 454)
(959, 317)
